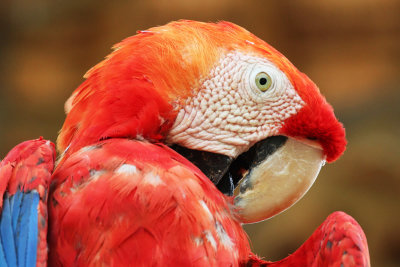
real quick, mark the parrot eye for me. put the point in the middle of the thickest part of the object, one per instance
(263, 81)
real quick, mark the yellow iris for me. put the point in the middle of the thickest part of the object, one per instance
(263, 81)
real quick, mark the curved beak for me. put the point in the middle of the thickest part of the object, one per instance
(278, 181)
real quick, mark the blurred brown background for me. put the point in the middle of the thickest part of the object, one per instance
(351, 49)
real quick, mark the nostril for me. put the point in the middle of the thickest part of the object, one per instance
(312, 138)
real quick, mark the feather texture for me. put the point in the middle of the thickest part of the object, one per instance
(145, 205)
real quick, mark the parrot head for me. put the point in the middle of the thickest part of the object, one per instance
(218, 95)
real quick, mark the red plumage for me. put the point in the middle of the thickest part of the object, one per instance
(142, 204)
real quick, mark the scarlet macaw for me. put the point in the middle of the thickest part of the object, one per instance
(154, 143)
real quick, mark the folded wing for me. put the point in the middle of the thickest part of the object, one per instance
(24, 181)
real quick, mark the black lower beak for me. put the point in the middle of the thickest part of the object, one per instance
(226, 172)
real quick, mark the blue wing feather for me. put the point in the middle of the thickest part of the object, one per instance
(3, 261)
(19, 229)
(16, 200)
(31, 250)
(7, 233)
(21, 235)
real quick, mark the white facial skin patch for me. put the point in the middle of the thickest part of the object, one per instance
(230, 113)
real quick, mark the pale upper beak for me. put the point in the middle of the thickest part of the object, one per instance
(278, 181)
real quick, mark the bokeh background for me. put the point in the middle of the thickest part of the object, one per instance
(350, 48)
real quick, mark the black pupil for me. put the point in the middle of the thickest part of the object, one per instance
(263, 81)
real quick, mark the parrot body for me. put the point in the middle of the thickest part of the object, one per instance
(161, 132)
(139, 203)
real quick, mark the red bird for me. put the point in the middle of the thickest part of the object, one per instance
(155, 142)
